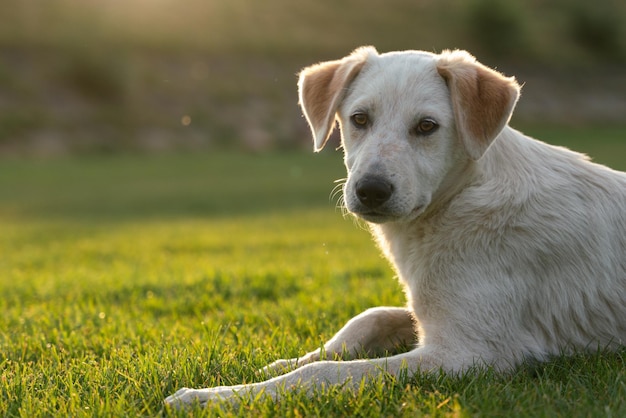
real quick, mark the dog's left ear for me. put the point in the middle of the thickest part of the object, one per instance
(323, 86)
(482, 99)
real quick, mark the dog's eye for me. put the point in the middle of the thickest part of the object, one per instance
(426, 126)
(360, 120)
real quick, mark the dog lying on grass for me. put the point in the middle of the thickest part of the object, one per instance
(507, 248)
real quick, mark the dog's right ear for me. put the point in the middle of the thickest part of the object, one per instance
(322, 87)
(482, 99)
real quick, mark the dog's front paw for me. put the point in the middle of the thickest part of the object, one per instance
(188, 397)
(280, 367)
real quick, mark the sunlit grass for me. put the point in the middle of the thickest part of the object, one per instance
(122, 314)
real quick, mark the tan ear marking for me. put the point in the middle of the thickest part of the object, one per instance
(321, 89)
(482, 99)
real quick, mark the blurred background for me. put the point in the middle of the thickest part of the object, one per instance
(112, 76)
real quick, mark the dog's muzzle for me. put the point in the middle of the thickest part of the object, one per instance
(375, 199)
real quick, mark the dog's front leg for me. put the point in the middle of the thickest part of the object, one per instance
(375, 332)
(319, 375)
(304, 378)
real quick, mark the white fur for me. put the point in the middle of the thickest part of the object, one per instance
(507, 248)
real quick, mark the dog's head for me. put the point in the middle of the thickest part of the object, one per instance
(411, 123)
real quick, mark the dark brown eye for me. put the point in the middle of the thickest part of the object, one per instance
(360, 120)
(426, 126)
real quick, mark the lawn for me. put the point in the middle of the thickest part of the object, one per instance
(124, 278)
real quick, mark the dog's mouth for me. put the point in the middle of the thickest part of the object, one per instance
(373, 216)
(382, 216)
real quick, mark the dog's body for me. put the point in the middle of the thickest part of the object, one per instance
(508, 248)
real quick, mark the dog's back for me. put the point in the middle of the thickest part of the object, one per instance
(573, 253)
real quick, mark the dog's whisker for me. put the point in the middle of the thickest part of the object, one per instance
(339, 183)
(337, 194)
(337, 191)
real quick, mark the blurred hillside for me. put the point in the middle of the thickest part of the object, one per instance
(105, 76)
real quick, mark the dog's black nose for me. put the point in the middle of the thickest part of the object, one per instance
(373, 191)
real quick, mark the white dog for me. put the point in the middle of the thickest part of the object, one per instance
(508, 248)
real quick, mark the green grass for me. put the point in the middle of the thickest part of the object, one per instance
(127, 277)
